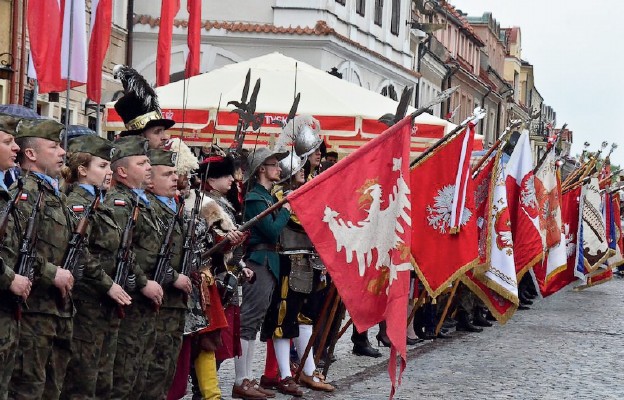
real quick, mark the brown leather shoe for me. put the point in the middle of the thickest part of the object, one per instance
(310, 382)
(246, 391)
(267, 392)
(268, 383)
(289, 387)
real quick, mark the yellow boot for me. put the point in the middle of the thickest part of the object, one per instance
(207, 379)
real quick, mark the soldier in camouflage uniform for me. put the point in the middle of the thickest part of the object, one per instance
(46, 324)
(170, 317)
(135, 341)
(96, 296)
(11, 284)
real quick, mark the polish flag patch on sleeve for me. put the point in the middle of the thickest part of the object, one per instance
(78, 208)
(24, 196)
(119, 202)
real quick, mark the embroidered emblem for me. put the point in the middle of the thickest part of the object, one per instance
(439, 217)
(77, 208)
(119, 202)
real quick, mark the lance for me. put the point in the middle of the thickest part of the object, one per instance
(436, 100)
(69, 64)
(479, 113)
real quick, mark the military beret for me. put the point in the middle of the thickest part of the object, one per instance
(93, 145)
(41, 128)
(130, 146)
(162, 157)
(8, 124)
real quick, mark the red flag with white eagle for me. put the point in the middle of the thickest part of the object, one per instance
(495, 281)
(444, 234)
(548, 193)
(357, 214)
(523, 207)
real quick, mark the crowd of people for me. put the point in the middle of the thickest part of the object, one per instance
(153, 297)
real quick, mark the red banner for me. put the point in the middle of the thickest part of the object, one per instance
(168, 11)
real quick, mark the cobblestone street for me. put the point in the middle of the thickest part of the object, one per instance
(568, 346)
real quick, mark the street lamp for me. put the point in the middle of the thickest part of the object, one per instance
(6, 72)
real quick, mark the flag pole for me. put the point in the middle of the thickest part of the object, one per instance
(554, 144)
(69, 55)
(446, 307)
(503, 138)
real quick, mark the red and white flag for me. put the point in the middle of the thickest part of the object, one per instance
(444, 241)
(523, 207)
(494, 281)
(168, 11)
(194, 38)
(357, 214)
(50, 45)
(101, 24)
(548, 192)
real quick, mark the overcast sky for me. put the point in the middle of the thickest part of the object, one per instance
(577, 52)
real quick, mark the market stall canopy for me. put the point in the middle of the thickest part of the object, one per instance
(347, 112)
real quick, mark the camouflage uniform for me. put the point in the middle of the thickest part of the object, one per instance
(170, 317)
(137, 333)
(96, 322)
(46, 324)
(9, 327)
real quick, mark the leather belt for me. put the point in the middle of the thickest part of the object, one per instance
(262, 247)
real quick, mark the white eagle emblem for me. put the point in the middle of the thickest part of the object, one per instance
(439, 215)
(570, 241)
(380, 230)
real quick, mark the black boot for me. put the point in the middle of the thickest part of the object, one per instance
(479, 319)
(464, 323)
(361, 345)
(382, 337)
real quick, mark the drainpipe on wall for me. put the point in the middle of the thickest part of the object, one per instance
(130, 29)
(14, 22)
(446, 84)
(422, 49)
(483, 105)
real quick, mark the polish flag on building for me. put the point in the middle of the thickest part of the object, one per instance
(101, 24)
(523, 207)
(444, 242)
(494, 281)
(50, 43)
(168, 11)
(194, 38)
(357, 214)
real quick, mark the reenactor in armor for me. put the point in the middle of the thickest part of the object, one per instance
(96, 295)
(46, 319)
(11, 284)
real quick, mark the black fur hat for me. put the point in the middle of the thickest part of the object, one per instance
(139, 106)
(216, 166)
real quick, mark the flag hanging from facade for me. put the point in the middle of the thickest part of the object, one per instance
(523, 207)
(357, 214)
(101, 25)
(494, 281)
(50, 45)
(443, 251)
(194, 38)
(548, 193)
(168, 11)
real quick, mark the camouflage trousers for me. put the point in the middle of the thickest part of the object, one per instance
(162, 366)
(135, 345)
(9, 335)
(90, 371)
(42, 356)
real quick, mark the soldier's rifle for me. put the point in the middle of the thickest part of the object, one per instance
(188, 246)
(77, 242)
(163, 268)
(27, 253)
(125, 256)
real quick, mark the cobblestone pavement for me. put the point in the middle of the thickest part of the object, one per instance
(568, 346)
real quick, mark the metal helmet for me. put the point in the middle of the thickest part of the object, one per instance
(302, 133)
(290, 165)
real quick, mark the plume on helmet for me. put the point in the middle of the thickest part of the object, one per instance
(133, 82)
(187, 161)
